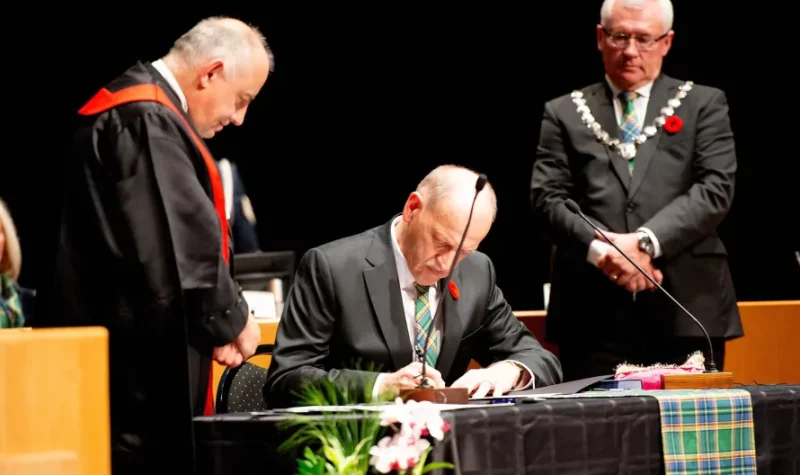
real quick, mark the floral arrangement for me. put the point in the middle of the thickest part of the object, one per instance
(382, 438)
(408, 447)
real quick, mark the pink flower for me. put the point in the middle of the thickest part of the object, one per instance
(428, 420)
(397, 413)
(398, 452)
(417, 418)
(412, 422)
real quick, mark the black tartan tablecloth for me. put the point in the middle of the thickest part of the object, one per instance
(584, 436)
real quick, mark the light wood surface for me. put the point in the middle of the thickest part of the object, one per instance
(44, 463)
(767, 354)
(54, 401)
(719, 380)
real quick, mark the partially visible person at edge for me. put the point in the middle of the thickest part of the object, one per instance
(239, 209)
(143, 243)
(15, 302)
(655, 168)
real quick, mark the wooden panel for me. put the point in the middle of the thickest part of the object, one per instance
(45, 463)
(770, 350)
(54, 400)
(718, 380)
(766, 354)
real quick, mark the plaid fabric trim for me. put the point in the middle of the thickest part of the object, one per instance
(708, 432)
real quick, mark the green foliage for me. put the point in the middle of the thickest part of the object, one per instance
(336, 442)
(342, 440)
(420, 468)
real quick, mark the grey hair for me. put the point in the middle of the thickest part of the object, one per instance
(667, 12)
(11, 260)
(221, 37)
(445, 179)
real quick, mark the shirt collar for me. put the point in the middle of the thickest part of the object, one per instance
(406, 280)
(162, 68)
(643, 91)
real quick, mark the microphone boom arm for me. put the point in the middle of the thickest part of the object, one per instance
(712, 366)
(479, 184)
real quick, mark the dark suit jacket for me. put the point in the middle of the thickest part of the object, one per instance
(681, 189)
(345, 307)
(243, 230)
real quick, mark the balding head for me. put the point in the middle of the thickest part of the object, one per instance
(226, 38)
(452, 187)
(435, 217)
(221, 64)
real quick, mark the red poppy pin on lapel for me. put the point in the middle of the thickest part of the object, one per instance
(673, 124)
(454, 292)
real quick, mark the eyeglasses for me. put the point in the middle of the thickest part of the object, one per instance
(621, 40)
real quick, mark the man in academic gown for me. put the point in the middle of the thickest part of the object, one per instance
(143, 243)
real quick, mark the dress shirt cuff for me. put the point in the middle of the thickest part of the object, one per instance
(597, 249)
(656, 245)
(524, 383)
(377, 386)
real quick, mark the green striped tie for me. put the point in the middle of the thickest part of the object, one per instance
(630, 122)
(424, 319)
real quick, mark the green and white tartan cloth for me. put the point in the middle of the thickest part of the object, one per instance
(708, 432)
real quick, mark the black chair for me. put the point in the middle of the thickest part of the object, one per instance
(241, 389)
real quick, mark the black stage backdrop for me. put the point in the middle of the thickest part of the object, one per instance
(365, 101)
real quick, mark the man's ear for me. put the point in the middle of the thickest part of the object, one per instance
(412, 207)
(210, 72)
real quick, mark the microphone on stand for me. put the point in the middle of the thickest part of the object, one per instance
(712, 366)
(479, 184)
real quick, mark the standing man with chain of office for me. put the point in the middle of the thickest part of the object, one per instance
(651, 160)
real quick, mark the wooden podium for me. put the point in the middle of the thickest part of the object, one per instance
(54, 402)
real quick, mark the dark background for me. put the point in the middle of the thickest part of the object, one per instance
(365, 101)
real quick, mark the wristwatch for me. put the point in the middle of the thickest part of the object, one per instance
(646, 244)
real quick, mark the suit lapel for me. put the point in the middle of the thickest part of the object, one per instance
(451, 328)
(387, 302)
(603, 111)
(644, 155)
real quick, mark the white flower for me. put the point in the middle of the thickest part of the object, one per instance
(427, 420)
(398, 452)
(397, 413)
(412, 421)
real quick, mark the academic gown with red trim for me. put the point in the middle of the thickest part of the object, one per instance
(139, 253)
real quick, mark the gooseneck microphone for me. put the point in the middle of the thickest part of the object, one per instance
(479, 184)
(712, 366)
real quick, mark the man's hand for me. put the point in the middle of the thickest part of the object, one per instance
(618, 269)
(409, 377)
(499, 378)
(249, 338)
(234, 354)
(228, 355)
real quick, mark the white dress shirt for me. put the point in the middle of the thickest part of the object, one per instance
(409, 293)
(162, 68)
(597, 248)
